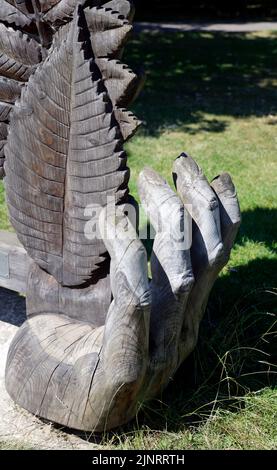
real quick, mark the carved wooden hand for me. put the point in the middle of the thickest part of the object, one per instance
(100, 337)
(94, 377)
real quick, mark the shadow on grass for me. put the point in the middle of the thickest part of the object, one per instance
(259, 225)
(192, 73)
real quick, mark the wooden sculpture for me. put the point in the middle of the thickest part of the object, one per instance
(100, 337)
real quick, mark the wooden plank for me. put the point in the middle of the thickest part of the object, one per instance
(14, 263)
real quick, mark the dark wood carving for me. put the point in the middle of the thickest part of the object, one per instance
(100, 336)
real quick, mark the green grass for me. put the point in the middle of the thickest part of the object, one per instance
(253, 427)
(214, 96)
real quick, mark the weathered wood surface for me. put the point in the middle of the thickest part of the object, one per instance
(88, 304)
(64, 152)
(19, 56)
(93, 378)
(14, 263)
(15, 13)
(77, 375)
(109, 24)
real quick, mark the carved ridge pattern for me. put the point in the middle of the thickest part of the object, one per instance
(109, 27)
(44, 151)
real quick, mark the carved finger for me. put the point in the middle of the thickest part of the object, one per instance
(202, 204)
(230, 216)
(126, 336)
(172, 276)
(216, 219)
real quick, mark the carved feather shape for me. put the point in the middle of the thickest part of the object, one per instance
(19, 55)
(64, 152)
(11, 13)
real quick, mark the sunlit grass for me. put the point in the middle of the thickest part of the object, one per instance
(251, 428)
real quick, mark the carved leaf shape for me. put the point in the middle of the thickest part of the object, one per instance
(22, 5)
(45, 5)
(14, 13)
(109, 31)
(64, 152)
(9, 89)
(5, 110)
(124, 7)
(3, 136)
(61, 12)
(120, 81)
(3, 133)
(129, 123)
(19, 55)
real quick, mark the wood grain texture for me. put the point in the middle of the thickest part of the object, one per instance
(10, 90)
(88, 304)
(109, 31)
(216, 219)
(124, 7)
(3, 137)
(64, 152)
(12, 13)
(25, 6)
(129, 123)
(5, 110)
(121, 82)
(172, 276)
(75, 374)
(100, 337)
(61, 12)
(45, 5)
(3, 131)
(91, 377)
(19, 55)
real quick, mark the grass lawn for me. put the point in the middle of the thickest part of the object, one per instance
(214, 96)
